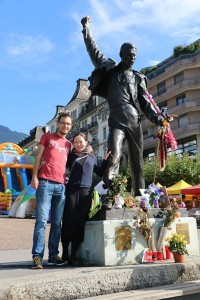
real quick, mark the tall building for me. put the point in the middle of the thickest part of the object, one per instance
(175, 84)
(90, 116)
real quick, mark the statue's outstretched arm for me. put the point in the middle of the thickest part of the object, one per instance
(96, 56)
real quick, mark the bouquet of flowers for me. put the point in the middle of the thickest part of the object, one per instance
(171, 214)
(118, 185)
(143, 224)
(156, 196)
(130, 201)
(115, 192)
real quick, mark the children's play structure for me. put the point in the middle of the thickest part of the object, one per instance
(25, 204)
(16, 167)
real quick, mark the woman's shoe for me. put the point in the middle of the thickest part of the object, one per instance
(65, 259)
(75, 262)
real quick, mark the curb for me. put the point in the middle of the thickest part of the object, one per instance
(86, 282)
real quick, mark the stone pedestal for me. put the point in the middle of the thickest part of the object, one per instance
(129, 213)
(117, 242)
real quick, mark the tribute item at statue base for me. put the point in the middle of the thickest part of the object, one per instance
(118, 242)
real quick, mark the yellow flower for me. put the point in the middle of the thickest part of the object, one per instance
(177, 243)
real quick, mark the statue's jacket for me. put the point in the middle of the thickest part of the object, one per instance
(124, 90)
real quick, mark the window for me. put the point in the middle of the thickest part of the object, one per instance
(150, 131)
(84, 125)
(104, 115)
(183, 121)
(99, 115)
(100, 100)
(149, 153)
(94, 120)
(145, 135)
(161, 88)
(104, 133)
(188, 145)
(91, 102)
(74, 114)
(180, 99)
(178, 78)
(94, 137)
(53, 129)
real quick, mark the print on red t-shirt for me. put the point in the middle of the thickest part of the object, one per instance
(55, 157)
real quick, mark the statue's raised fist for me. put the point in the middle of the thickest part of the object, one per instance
(85, 21)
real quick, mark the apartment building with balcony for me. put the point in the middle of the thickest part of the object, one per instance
(175, 84)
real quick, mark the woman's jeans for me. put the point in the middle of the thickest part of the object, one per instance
(49, 195)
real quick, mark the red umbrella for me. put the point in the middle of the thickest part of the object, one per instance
(193, 190)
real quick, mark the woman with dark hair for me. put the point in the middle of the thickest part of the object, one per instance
(82, 163)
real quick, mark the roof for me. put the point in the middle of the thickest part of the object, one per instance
(177, 187)
(82, 92)
(193, 190)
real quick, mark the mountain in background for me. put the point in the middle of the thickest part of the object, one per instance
(7, 135)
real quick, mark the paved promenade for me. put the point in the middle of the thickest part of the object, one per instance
(19, 281)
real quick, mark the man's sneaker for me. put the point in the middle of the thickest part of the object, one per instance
(37, 263)
(56, 261)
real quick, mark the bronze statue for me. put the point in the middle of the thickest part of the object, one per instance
(126, 92)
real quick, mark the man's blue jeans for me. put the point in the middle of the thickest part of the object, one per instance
(49, 195)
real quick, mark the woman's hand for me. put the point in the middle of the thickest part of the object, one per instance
(107, 155)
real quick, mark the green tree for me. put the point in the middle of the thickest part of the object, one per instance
(186, 168)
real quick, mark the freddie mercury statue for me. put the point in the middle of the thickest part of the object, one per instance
(125, 91)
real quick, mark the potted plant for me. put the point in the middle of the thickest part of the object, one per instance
(177, 245)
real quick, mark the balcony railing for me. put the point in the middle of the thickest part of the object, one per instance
(93, 126)
(171, 62)
(84, 129)
(85, 111)
(174, 89)
(183, 107)
(191, 128)
(150, 142)
(94, 142)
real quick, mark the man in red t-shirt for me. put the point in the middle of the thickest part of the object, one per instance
(49, 181)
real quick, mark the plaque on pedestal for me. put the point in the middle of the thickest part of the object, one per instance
(122, 238)
(183, 228)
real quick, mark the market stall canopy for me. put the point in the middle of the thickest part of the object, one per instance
(193, 190)
(177, 187)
